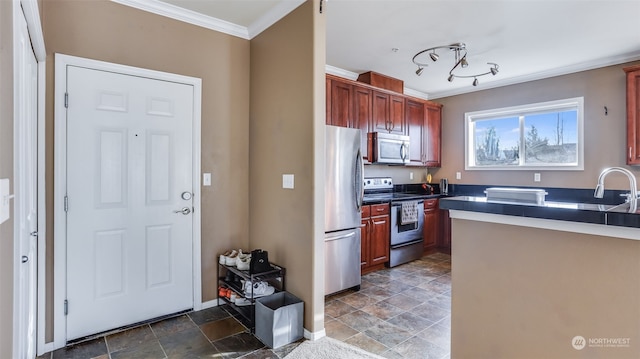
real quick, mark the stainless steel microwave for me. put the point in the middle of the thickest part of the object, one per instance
(388, 148)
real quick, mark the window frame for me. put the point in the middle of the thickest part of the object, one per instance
(576, 103)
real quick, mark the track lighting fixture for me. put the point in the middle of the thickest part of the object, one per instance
(460, 58)
(434, 56)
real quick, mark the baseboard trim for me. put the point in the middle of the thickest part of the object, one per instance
(315, 335)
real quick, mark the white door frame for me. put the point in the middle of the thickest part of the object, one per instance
(60, 170)
(28, 9)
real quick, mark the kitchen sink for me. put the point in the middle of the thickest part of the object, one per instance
(516, 195)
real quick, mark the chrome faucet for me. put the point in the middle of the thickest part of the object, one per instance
(633, 186)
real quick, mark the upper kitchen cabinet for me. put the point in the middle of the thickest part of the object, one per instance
(415, 118)
(339, 107)
(388, 113)
(375, 103)
(423, 125)
(633, 114)
(362, 106)
(349, 105)
(433, 135)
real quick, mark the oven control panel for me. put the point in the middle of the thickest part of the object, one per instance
(378, 183)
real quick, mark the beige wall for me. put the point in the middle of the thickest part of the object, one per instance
(604, 136)
(287, 112)
(6, 171)
(107, 31)
(520, 292)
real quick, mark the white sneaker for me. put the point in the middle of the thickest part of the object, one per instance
(243, 261)
(230, 260)
(259, 289)
(223, 257)
(242, 301)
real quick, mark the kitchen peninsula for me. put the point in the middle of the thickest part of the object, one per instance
(560, 280)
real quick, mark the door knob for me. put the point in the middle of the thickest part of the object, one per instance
(185, 211)
(25, 259)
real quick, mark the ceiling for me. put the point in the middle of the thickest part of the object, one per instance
(528, 39)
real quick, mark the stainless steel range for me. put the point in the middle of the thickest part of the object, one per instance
(407, 219)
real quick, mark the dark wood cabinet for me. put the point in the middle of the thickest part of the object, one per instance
(444, 240)
(423, 125)
(433, 135)
(374, 237)
(362, 99)
(633, 114)
(359, 105)
(431, 229)
(341, 108)
(388, 113)
(415, 120)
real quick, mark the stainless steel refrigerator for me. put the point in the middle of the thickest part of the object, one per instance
(344, 184)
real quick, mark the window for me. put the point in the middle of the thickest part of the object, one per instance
(541, 136)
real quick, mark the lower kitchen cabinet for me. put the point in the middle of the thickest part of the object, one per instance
(431, 229)
(374, 237)
(444, 243)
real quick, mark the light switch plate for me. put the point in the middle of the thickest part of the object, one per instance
(4, 199)
(287, 181)
(206, 179)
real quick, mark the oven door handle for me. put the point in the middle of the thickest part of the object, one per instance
(415, 241)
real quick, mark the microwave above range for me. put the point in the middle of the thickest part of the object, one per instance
(388, 148)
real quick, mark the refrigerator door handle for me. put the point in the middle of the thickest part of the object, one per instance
(359, 180)
(339, 236)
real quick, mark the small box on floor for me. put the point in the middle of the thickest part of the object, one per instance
(279, 319)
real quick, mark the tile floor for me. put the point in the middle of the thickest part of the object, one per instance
(402, 312)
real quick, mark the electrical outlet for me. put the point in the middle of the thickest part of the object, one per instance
(458, 175)
(536, 177)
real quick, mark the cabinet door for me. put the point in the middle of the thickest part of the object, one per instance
(415, 125)
(431, 227)
(362, 98)
(379, 249)
(365, 240)
(633, 115)
(380, 111)
(433, 136)
(340, 104)
(396, 115)
(445, 231)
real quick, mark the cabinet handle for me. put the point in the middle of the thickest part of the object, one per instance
(630, 154)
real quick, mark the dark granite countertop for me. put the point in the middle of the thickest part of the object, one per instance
(575, 205)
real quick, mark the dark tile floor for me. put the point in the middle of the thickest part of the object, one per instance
(402, 312)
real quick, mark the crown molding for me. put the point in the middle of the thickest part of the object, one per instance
(336, 71)
(565, 70)
(188, 16)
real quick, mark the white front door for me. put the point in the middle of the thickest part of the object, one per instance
(26, 190)
(129, 199)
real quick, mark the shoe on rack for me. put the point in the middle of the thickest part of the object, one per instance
(243, 261)
(230, 260)
(242, 301)
(226, 257)
(223, 257)
(259, 289)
